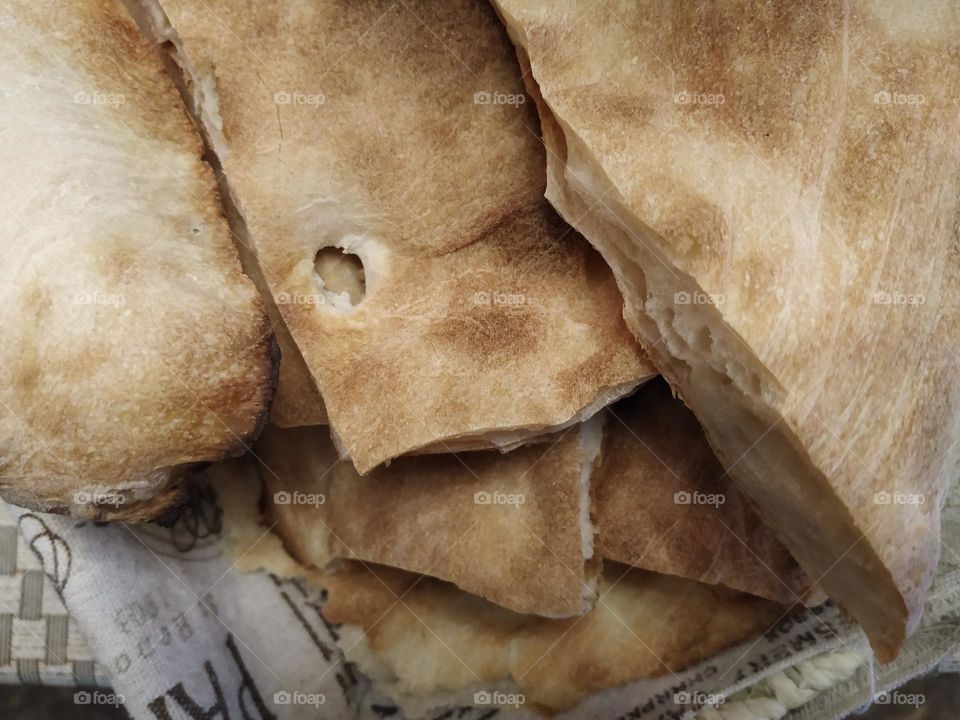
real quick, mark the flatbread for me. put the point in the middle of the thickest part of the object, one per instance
(653, 449)
(460, 311)
(134, 347)
(512, 528)
(417, 652)
(776, 190)
(644, 625)
(663, 502)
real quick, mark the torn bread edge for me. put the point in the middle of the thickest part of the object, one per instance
(297, 401)
(507, 440)
(255, 548)
(324, 535)
(591, 452)
(200, 95)
(727, 386)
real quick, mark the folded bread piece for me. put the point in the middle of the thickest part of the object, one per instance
(514, 528)
(776, 190)
(662, 502)
(133, 345)
(644, 625)
(387, 166)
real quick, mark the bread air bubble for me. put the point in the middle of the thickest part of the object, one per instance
(341, 277)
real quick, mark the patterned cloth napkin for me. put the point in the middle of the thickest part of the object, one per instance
(178, 633)
(39, 642)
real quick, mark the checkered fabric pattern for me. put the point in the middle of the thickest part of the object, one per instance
(39, 643)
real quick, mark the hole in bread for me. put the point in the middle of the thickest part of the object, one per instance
(342, 277)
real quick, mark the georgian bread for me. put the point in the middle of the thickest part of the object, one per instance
(427, 644)
(662, 502)
(646, 624)
(513, 528)
(652, 449)
(776, 190)
(134, 347)
(480, 319)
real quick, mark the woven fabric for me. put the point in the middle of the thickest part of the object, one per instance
(39, 643)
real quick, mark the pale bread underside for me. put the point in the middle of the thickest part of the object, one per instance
(787, 253)
(645, 625)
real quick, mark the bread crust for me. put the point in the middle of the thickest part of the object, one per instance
(134, 346)
(504, 527)
(788, 255)
(664, 503)
(483, 314)
(645, 624)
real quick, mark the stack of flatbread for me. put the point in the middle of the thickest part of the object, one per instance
(573, 341)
